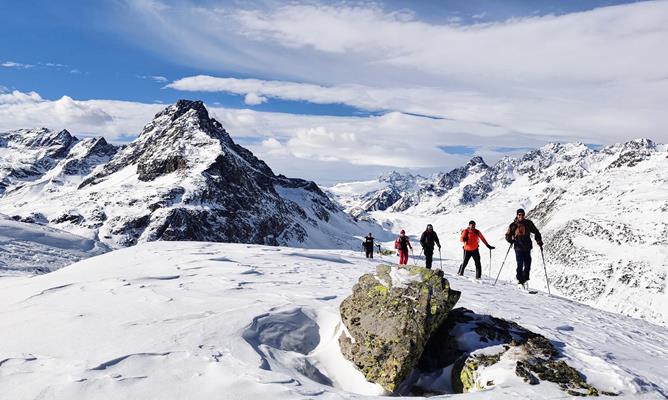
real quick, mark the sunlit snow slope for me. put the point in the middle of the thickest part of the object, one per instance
(31, 248)
(176, 320)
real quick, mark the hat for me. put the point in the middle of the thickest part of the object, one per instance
(471, 222)
(403, 232)
(520, 211)
(430, 226)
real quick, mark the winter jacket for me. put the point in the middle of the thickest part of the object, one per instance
(402, 243)
(368, 243)
(428, 239)
(470, 239)
(519, 233)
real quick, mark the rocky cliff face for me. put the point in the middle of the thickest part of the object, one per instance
(183, 178)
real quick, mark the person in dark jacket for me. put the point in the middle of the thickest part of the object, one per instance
(402, 244)
(368, 245)
(519, 235)
(427, 240)
(470, 237)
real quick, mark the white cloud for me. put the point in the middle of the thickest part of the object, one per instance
(594, 76)
(254, 99)
(323, 148)
(154, 78)
(613, 112)
(17, 97)
(92, 117)
(12, 64)
(597, 45)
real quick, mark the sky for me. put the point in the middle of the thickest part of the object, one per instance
(341, 91)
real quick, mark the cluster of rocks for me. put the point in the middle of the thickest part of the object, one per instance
(401, 323)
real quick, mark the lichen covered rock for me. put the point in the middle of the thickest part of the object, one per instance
(499, 344)
(390, 317)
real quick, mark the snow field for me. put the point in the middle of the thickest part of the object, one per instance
(176, 320)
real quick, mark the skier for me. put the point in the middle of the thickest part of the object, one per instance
(368, 245)
(519, 235)
(427, 240)
(470, 237)
(402, 244)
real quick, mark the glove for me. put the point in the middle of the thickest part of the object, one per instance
(439, 247)
(540, 244)
(491, 247)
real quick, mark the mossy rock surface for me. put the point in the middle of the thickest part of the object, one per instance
(391, 316)
(536, 360)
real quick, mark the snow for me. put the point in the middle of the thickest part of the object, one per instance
(604, 226)
(198, 320)
(30, 248)
(402, 277)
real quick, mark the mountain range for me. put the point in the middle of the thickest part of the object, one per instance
(603, 214)
(183, 178)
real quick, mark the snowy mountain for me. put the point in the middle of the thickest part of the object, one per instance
(183, 178)
(603, 214)
(176, 320)
(28, 248)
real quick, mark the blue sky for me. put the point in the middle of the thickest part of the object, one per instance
(99, 62)
(503, 75)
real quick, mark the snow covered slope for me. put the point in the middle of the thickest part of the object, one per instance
(176, 320)
(30, 248)
(183, 178)
(603, 215)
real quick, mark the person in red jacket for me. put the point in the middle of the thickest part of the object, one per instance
(470, 237)
(402, 244)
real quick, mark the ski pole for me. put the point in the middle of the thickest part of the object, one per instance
(440, 259)
(504, 261)
(545, 268)
(490, 263)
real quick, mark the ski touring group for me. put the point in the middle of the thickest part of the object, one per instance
(518, 235)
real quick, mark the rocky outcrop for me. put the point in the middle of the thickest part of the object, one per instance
(494, 343)
(390, 317)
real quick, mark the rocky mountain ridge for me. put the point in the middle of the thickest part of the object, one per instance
(603, 215)
(183, 178)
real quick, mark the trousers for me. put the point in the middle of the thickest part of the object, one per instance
(403, 256)
(475, 254)
(523, 258)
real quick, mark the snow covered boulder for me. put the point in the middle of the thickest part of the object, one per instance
(389, 319)
(485, 351)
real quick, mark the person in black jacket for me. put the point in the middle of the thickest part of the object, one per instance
(519, 235)
(427, 240)
(368, 245)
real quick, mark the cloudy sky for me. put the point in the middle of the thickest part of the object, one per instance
(338, 91)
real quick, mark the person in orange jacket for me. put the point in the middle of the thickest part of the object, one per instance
(470, 237)
(402, 244)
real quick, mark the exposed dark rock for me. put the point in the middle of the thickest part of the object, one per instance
(390, 316)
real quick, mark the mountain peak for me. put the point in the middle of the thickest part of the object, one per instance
(477, 160)
(182, 107)
(394, 176)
